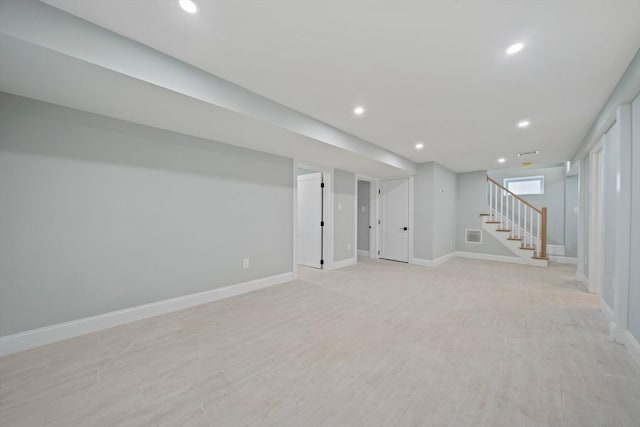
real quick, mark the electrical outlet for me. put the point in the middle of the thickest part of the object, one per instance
(245, 263)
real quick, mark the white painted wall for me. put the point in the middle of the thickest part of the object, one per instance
(99, 215)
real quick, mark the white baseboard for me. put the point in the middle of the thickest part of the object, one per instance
(620, 335)
(563, 259)
(433, 262)
(344, 263)
(582, 278)
(606, 310)
(555, 250)
(62, 331)
(363, 253)
(616, 333)
(633, 347)
(489, 257)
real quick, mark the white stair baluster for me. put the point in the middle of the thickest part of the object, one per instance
(519, 219)
(490, 199)
(524, 240)
(513, 213)
(501, 210)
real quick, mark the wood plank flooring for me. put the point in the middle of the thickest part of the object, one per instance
(468, 343)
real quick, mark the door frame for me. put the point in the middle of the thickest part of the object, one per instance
(374, 215)
(596, 211)
(411, 226)
(327, 210)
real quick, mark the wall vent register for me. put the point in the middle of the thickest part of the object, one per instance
(473, 236)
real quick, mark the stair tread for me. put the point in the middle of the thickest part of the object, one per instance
(528, 248)
(503, 230)
(539, 257)
(483, 214)
(492, 222)
(515, 238)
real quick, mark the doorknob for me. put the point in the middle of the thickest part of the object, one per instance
(404, 228)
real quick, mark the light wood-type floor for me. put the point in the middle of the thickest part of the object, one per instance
(469, 343)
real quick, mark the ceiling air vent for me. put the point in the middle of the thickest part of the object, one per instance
(529, 153)
(473, 236)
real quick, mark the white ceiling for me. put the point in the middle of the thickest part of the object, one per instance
(431, 71)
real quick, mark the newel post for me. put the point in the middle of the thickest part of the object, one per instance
(543, 234)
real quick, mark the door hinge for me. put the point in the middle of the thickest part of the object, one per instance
(321, 223)
(378, 222)
(379, 191)
(322, 185)
(378, 252)
(321, 262)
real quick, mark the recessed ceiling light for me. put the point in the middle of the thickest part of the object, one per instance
(514, 48)
(419, 146)
(358, 111)
(523, 123)
(188, 6)
(502, 160)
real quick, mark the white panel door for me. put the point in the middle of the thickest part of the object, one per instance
(309, 233)
(394, 219)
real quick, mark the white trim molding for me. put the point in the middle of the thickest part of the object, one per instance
(362, 252)
(556, 250)
(616, 333)
(563, 259)
(62, 331)
(620, 335)
(582, 278)
(344, 263)
(489, 257)
(633, 346)
(433, 262)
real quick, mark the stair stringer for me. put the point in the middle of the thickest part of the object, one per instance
(513, 245)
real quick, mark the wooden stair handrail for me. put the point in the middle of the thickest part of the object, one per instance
(516, 196)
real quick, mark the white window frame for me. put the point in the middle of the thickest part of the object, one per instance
(525, 178)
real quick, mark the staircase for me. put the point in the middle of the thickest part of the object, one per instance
(517, 224)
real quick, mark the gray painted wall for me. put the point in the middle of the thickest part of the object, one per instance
(611, 150)
(444, 211)
(344, 201)
(634, 271)
(472, 201)
(364, 188)
(434, 221)
(585, 206)
(423, 211)
(99, 214)
(302, 171)
(571, 203)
